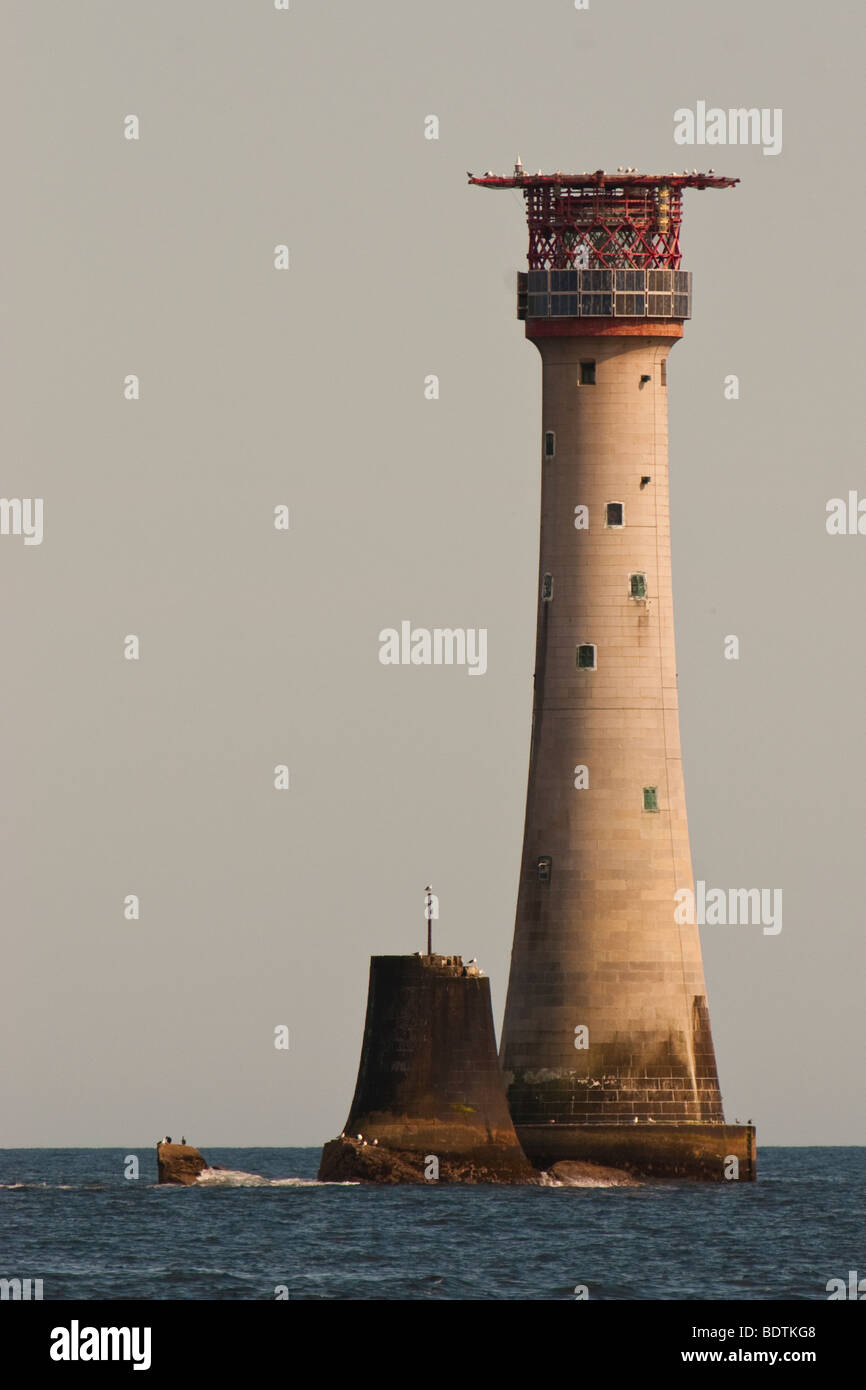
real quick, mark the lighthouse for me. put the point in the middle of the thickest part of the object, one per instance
(606, 1045)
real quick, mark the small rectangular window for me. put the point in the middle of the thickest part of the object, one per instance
(587, 373)
(543, 868)
(547, 588)
(586, 657)
(614, 514)
(549, 444)
(650, 798)
(637, 585)
(664, 373)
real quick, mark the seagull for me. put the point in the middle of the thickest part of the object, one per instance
(473, 961)
(634, 1121)
(359, 1137)
(650, 1120)
(375, 1142)
(343, 1134)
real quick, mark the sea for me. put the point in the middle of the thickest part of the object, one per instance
(258, 1226)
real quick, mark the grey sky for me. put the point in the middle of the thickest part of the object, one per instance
(305, 387)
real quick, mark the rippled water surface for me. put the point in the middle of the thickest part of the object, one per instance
(71, 1218)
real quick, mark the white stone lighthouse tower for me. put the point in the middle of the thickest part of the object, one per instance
(606, 1044)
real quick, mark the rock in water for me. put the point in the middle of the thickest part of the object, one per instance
(345, 1160)
(179, 1164)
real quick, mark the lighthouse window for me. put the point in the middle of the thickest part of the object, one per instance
(637, 585)
(587, 373)
(664, 373)
(586, 657)
(614, 514)
(547, 588)
(549, 444)
(543, 868)
(650, 798)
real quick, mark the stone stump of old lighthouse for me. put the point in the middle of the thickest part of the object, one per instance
(429, 1102)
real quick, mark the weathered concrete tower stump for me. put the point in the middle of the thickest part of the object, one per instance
(606, 1044)
(429, 1083)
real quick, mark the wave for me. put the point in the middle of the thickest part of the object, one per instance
(233, 1177)
(548, 1180)
(53, 1187)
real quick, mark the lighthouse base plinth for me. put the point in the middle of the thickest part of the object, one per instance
(708, 1153)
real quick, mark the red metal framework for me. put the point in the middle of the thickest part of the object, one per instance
(603, 221)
